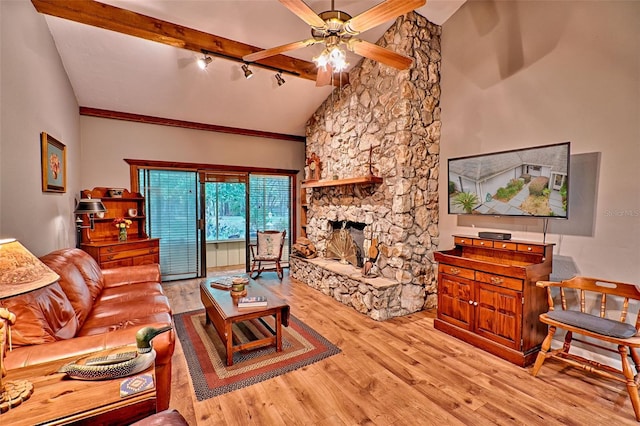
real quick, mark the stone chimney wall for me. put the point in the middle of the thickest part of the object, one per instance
(388, 122)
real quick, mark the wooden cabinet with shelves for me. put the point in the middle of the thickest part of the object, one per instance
(487, 295)
(102, 242)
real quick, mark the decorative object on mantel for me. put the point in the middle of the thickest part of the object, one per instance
(20, 272)
(122, 224)
(313, 162)
(305, 248)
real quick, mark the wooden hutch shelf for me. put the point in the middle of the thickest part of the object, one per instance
(360, 180)
(102, 243)
(487, 295)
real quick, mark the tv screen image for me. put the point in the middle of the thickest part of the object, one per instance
(530, 182)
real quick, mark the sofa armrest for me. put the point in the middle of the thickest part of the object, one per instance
(131, 274)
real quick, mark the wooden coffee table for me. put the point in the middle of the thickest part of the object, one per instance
(222, 310)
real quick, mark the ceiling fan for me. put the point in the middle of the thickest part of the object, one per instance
(335, 28)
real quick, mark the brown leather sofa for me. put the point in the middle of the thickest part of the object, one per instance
(89, 310)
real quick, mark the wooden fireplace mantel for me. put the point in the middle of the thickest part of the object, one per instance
(359, 180)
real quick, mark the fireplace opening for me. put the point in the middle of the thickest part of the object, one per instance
(346, 242)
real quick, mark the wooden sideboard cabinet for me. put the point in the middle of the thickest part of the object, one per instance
(487, 295)
(102, 242)
(134, 251)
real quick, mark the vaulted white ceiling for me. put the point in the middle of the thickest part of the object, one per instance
(118, 72)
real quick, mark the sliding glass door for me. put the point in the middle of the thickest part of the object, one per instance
(172, 207)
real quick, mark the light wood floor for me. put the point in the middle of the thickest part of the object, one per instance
(396, 372)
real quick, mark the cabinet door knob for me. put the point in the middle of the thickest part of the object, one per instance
(529, 248)
(471, 302)
(481, 243)
(475, 303)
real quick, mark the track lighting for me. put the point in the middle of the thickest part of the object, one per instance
(279, 79)
(247, 72)
(204, 61)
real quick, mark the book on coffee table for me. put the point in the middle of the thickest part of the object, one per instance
(252, 301)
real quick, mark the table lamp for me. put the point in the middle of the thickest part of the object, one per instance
(20, 272)
(88, 206)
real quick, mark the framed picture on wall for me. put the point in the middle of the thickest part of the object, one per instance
(54, 164)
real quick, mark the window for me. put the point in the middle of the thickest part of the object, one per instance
(226, 205)
(270, 203)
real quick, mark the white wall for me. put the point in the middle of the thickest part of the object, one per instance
(36, 96)
(521, 73)
(106, 143)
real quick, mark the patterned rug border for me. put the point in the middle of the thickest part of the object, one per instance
(204, 391)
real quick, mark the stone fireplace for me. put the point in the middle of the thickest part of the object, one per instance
(386, 122)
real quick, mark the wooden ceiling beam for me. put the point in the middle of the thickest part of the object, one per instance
(124, 21)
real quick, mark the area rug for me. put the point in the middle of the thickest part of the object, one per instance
(204, 352)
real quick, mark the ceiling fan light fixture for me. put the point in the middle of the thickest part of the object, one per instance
(204, 62)
(247, 72)
(279, 79)
(333, 56)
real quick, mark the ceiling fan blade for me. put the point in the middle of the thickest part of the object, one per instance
(380, 54)
(261, 54)
(379, 14)
(304, 12)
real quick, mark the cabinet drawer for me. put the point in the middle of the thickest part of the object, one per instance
(127, 247)
(141, 251)
(531, 248)
(483, 243)
(116, 263)
(504, 245)
(499, 280)
(146, 260)
(463, 241)
(458, 272)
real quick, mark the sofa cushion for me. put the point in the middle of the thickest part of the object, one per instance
(44, 315)
(115, 314)
(89, 269)
(127, 292)
(72, 283)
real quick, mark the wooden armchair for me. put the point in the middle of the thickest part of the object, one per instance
(268, 248)
(612, 331)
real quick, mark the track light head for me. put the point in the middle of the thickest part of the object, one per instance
(204, 62)
(279, 79)
(247, 72)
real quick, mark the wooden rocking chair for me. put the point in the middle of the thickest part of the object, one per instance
(268, 248)
(599, 327)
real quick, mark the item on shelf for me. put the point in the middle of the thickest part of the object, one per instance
(132, 212)
(252, 302)
(100, 215)
(495, 235)
(115, 192)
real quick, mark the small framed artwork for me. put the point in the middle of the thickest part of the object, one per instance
(54, 164)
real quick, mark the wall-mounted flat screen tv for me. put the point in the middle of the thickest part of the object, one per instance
(530, 182)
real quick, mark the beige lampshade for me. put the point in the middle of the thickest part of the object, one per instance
(21, 271)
